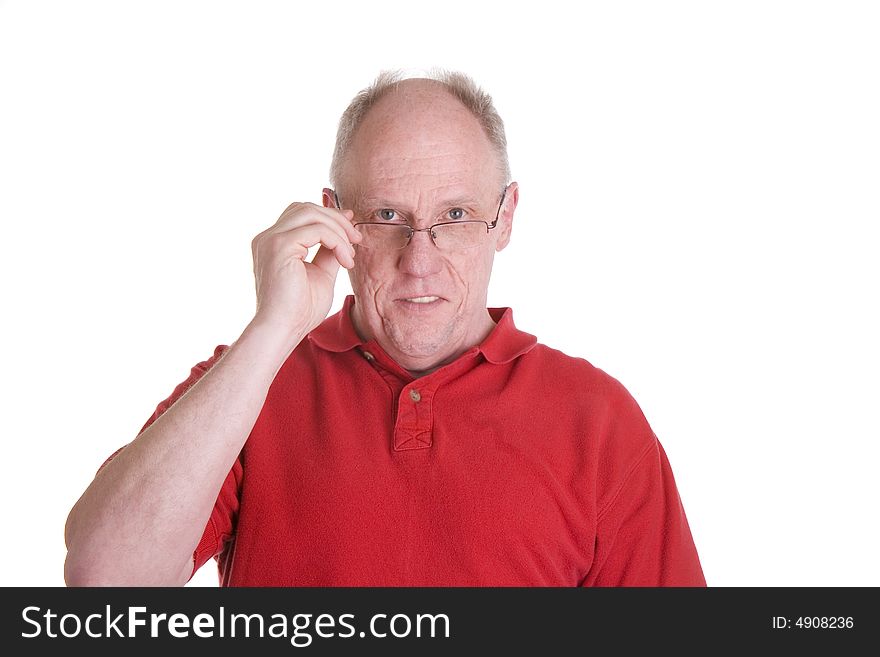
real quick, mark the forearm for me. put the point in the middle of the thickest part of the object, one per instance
(141, 518)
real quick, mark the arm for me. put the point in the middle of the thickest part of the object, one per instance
(141, 518)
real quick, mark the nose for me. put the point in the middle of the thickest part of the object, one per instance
(420, 257)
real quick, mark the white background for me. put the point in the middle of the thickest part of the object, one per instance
(700, 190)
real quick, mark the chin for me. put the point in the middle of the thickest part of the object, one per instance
(421, 343)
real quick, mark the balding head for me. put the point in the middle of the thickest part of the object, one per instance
(413, 133)
(416, 95)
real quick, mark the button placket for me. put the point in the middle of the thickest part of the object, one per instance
(414, 424)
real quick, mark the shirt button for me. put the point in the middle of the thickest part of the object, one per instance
(414, 395)
(369, 356)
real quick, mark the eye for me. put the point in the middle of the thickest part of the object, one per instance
(387, 215)
(455, 214)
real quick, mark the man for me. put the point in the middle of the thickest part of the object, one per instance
(415, 437)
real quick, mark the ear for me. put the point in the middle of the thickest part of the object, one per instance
(328, 198)
(505, 217)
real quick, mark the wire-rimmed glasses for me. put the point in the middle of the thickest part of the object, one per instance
(446, 235)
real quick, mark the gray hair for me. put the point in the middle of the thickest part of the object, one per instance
(477, 101)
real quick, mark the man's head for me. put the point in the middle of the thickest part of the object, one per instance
(420, 152)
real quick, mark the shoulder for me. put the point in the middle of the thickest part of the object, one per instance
(577, 375)
(594, 405)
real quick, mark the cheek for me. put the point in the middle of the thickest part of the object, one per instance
(369, 273)
(473, 272)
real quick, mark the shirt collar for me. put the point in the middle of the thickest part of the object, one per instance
(505, 342)
(336, 333)
(502, 345)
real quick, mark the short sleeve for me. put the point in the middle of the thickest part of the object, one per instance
(642, 533)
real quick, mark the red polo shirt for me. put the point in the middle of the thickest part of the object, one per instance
(514, 465)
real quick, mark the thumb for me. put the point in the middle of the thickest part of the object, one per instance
(326, 261)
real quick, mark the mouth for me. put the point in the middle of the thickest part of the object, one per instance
(425, 302)
(426, 299)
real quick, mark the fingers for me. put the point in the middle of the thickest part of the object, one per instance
(298, 214)
(304, 225)
(297, 242)
(303, 218)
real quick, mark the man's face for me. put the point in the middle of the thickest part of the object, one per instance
(420, 157)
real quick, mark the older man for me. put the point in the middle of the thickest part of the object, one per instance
(414, 438)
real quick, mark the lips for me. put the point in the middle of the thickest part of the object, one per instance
(418, 303)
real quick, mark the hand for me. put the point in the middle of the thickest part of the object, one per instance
(294, 295)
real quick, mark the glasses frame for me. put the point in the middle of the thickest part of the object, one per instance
(430, 229)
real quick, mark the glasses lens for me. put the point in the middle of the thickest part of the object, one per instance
(384, 236)
(460, 235)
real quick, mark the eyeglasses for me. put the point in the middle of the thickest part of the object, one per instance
(446, 235)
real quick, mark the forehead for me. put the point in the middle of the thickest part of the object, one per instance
(420, 137)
